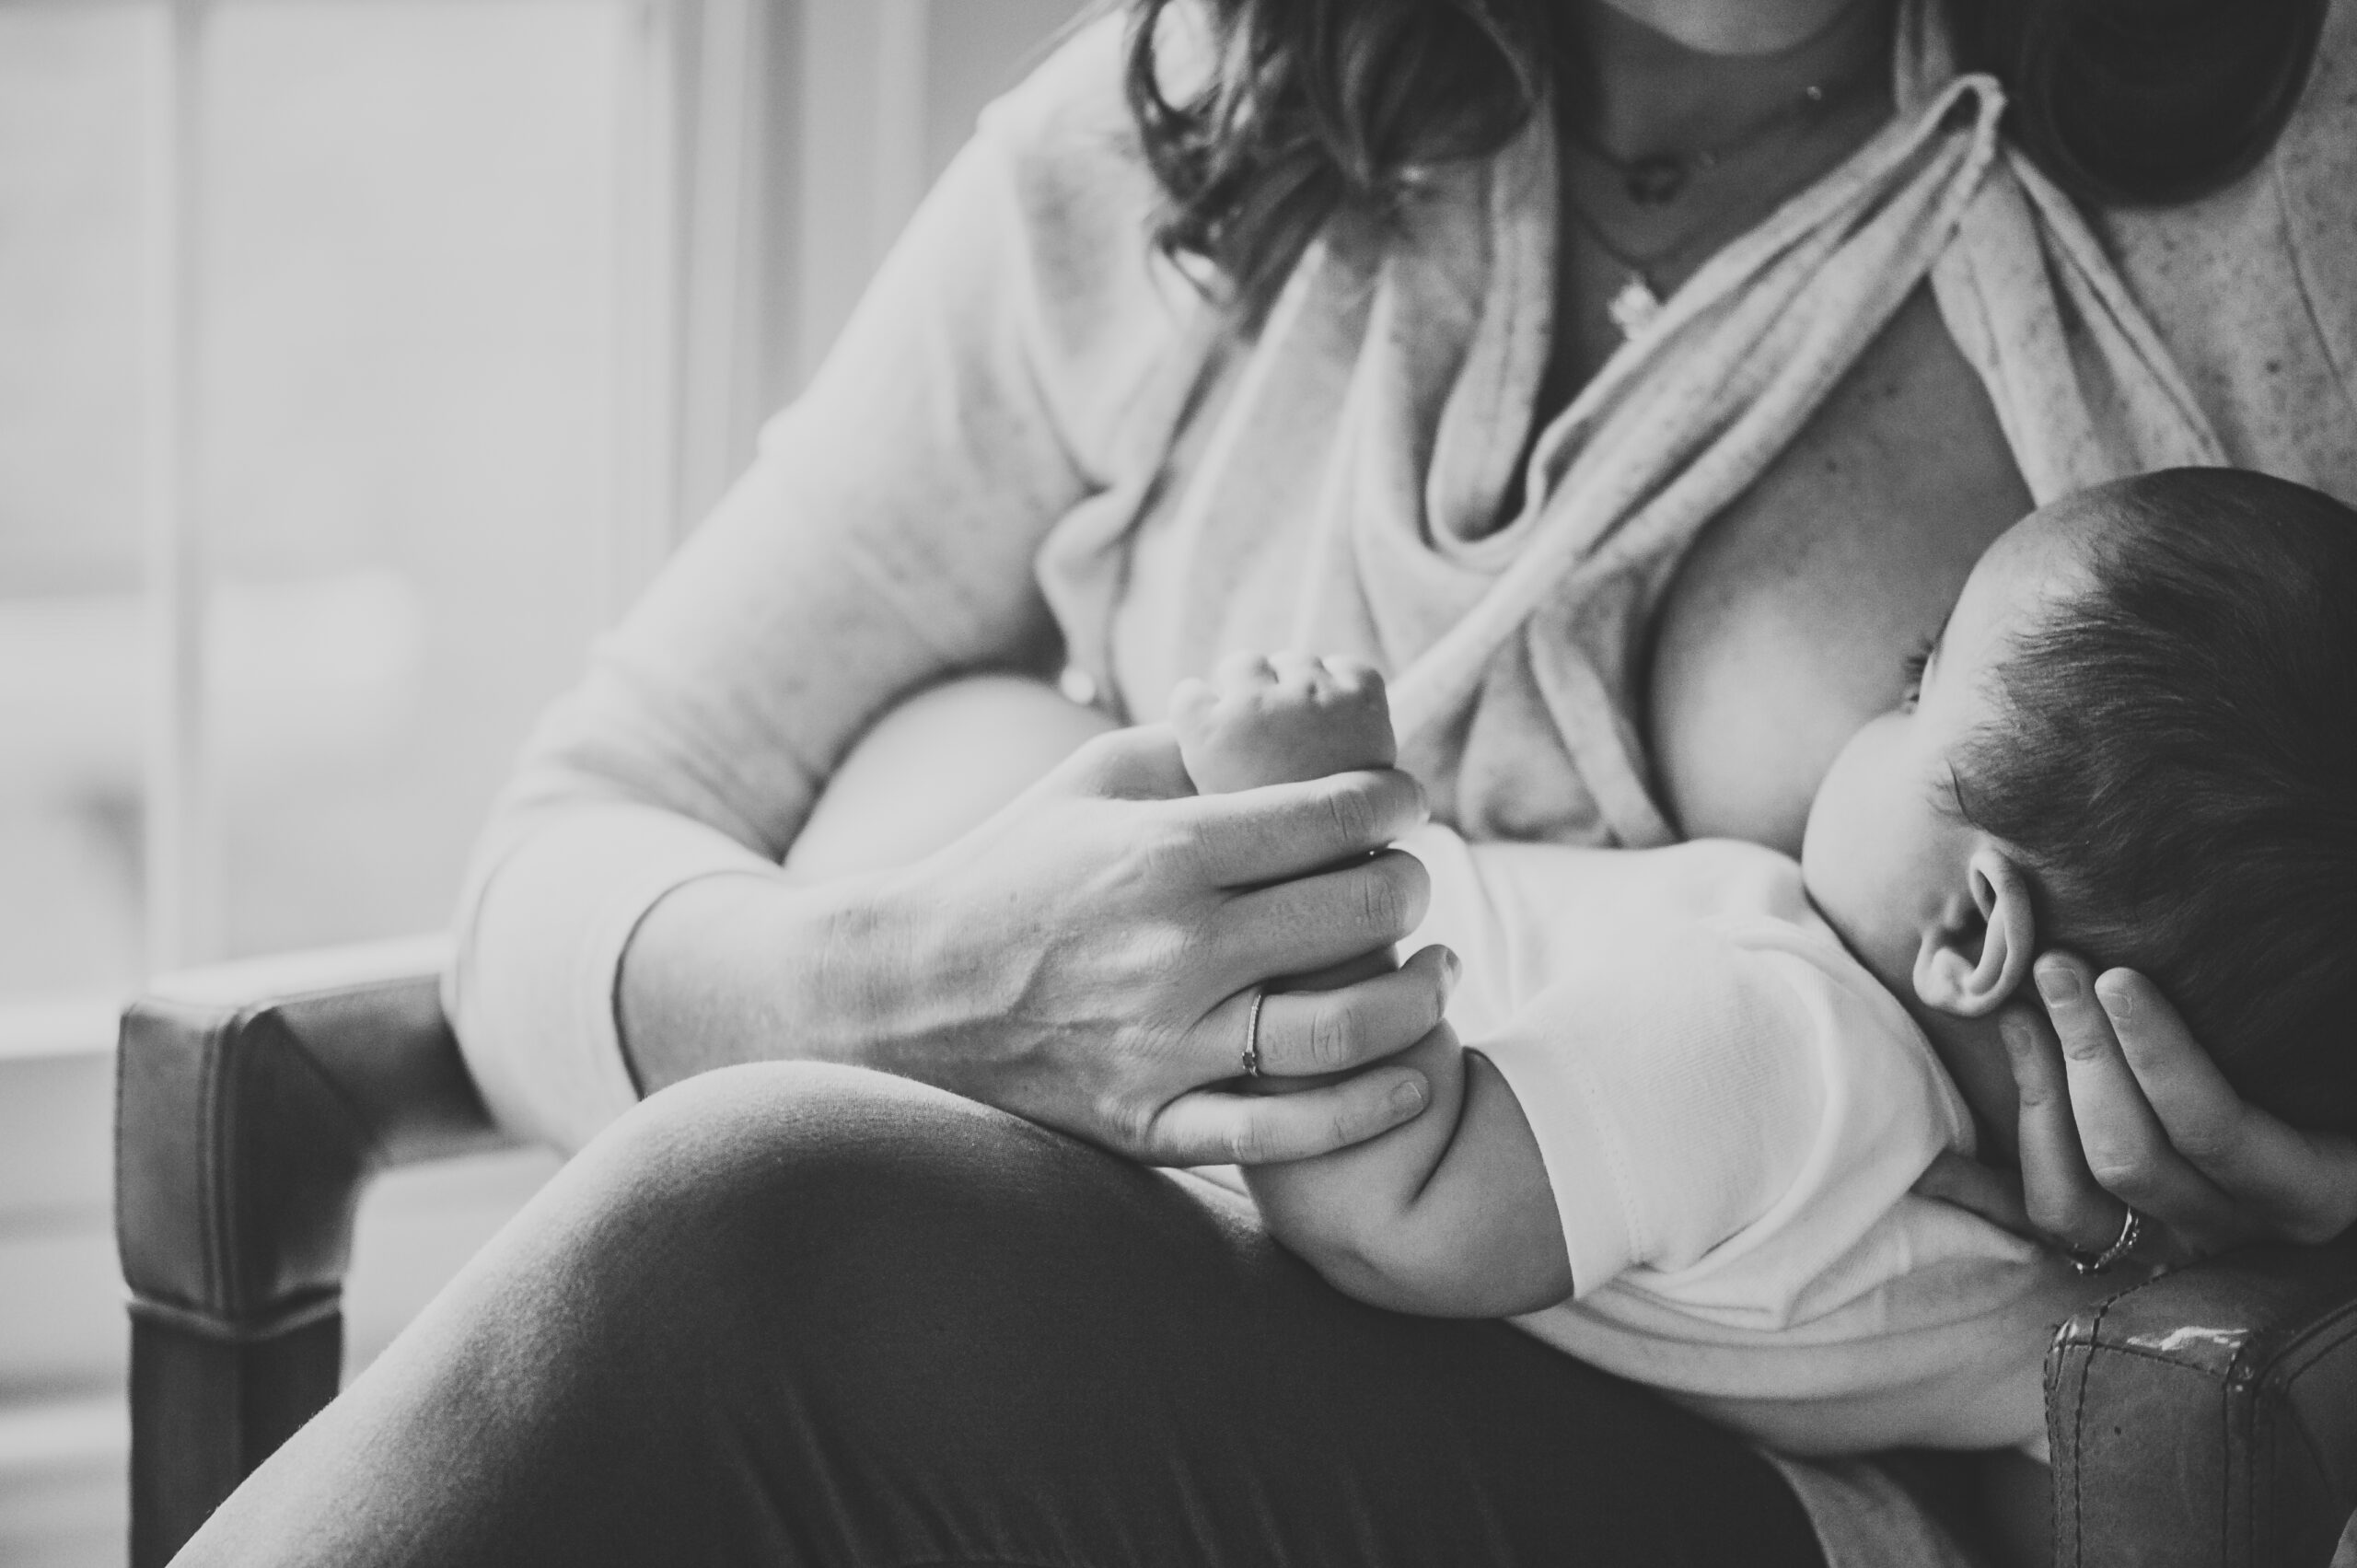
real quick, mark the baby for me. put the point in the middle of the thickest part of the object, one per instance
(1696, 1084)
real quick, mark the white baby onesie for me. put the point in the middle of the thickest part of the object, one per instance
(1732, 1112)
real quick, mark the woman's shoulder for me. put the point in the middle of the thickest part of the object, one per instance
(1070, 110)
(1067, 129)
(1066, 194)
(2254, 288)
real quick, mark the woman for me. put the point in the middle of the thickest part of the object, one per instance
(1636, 380)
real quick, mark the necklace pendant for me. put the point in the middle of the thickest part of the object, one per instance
(1655, 180)
(1635, 305)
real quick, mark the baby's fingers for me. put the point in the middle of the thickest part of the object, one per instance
(1212, 1127)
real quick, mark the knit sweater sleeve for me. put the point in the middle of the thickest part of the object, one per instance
(884, 537)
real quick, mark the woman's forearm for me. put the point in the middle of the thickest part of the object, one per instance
(735, 968)
(728, 970)
(1084, 959)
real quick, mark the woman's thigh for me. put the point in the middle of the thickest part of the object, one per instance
(809, 1315)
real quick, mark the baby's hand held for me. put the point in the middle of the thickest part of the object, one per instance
(1282, 720)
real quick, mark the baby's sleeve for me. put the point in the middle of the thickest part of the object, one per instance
(1720, 1105)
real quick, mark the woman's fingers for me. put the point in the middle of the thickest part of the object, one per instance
(2120, 1105)
(2126, 1150)
(1314, 920)
(1250, 837)
(2303, 1186)
(2202, 1115)
(1212, 1127)
(1138, 763)
(2060, 1196)
(1304, 1032)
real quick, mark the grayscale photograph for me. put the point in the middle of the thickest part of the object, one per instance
(1178, 783)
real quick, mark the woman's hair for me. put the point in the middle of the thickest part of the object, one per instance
(2174, 757)
(1314, 107)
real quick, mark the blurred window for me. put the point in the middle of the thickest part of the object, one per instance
(466, 307)
(362, 358)
(399, 355)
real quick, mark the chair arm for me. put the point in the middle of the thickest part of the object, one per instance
(253, 1102)
(2210, 1416)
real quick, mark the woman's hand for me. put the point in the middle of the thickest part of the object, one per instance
(1087, 958)
(2121, 1107)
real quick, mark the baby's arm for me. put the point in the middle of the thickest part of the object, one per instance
(1451, 1214)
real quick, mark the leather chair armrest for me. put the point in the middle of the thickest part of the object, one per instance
(2210, 1416)
(253, 1103)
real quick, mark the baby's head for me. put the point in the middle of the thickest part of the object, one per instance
(2136, 738)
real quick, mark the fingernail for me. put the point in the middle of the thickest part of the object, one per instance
(1455, 966)
(2057, 983)
(2118, 1000)
(2013, 1030)
(1408, 1094)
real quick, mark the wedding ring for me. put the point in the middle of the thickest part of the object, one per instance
(1252, 1036)
(2131, 1229)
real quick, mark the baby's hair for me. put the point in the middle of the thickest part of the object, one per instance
(2175, 763)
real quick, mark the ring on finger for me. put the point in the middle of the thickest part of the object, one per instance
(2132, 1230)
(1251, 1057)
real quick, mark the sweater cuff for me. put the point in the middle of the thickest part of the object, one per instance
(533, 992)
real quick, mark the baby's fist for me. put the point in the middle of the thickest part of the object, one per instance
(1280, 719)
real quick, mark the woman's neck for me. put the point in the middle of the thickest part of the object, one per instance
(1663, 75)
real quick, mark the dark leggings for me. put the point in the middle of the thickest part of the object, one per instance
(812, 1315)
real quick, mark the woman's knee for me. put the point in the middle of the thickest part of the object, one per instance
(775, 1165)
(756, 1134)
(735, 1122)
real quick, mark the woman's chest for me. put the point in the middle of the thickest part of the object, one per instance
(1719, 682)
(1788, 623)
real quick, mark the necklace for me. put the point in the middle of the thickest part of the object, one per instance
(1651, 181)
(1635, 304)
(1656, 179)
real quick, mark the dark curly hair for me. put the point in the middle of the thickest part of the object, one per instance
(1314, 107)
(2174, 756)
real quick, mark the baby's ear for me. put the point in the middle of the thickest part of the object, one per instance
(1979, 952)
